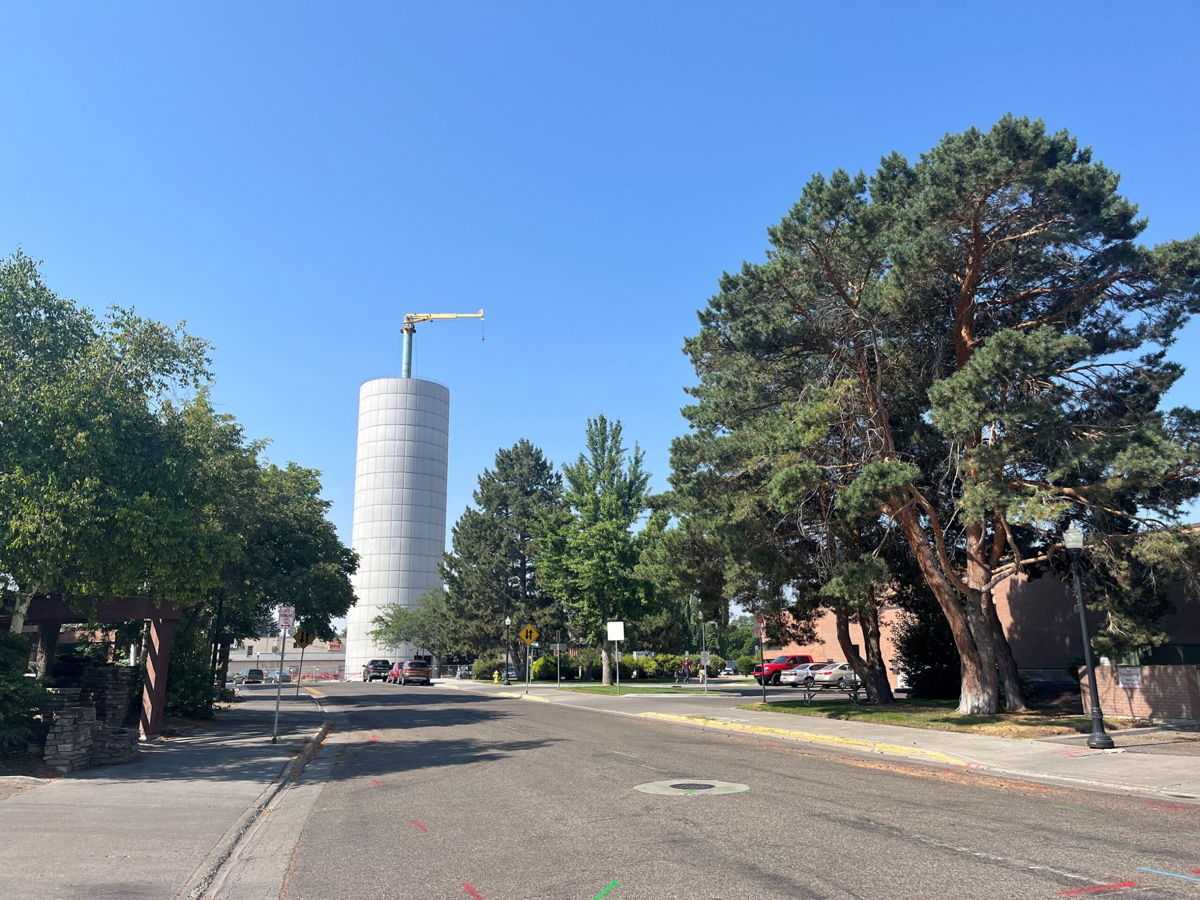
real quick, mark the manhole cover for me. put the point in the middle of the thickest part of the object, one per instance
(691, 788)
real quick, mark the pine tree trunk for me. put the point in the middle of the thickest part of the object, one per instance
(1010, 678)
(980, 691)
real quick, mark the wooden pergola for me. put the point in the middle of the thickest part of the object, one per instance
(49, 612)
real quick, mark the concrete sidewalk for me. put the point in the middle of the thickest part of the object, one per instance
(158, 826)
(1058, 760)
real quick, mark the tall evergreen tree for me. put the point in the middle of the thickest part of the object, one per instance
(967, 352)
(489, 572)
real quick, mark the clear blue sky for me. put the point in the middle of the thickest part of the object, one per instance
(291, 178)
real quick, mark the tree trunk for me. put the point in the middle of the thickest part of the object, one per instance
(879, 689)
(22, 609)
(223, 665)
(1006, 664)
(869, 670)
(605, 664)
(980, 691)
(47, 646)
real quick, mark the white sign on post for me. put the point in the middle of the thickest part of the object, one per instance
(616, 631)
(705, 656)
(287, 616)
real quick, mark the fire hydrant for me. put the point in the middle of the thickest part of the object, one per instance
(496, 677)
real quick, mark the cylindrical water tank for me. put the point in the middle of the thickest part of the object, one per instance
(399, 504)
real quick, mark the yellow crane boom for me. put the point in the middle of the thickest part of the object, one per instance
(410, 328)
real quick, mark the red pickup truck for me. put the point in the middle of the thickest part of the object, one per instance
(768, 673)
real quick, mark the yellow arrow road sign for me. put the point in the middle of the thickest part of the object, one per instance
(529, 634)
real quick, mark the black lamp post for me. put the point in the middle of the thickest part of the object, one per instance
(1098, 739)
(507, 648)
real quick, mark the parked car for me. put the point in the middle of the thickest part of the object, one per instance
(249, 676)
(512, 674)
(730, 668)
(277, 677)
(769, 673)
(801, 674)
(377, 669)
(409, 671)
(840, 675)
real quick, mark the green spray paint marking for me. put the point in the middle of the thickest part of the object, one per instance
(612, 884)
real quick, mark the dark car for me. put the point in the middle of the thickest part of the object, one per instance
(730, 668)
(410, 671)
(249, 676)
(377, 668)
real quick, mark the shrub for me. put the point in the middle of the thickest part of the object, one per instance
(484, 669)
(544, 668)
(715, 665)
(648, 667)
(21, 698)
(189, 678)
(746, 665)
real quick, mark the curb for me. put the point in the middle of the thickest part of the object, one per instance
(809, 737)
(197, 886)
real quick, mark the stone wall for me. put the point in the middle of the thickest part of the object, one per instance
(1165, 693)
(110, 690)
(75, 735)
(69, 738)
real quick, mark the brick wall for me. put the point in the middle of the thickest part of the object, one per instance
(1166, 694)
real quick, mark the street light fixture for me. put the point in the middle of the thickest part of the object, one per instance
(1098, 739)
(507, 648)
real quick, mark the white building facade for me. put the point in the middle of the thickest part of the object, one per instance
(399, 526)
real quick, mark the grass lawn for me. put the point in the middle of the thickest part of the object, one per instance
(940, 715)
(640, 687)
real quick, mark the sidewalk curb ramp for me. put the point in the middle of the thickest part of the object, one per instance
(197, 886)
(809, 737)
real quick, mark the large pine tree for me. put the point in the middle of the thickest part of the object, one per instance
(966, 353)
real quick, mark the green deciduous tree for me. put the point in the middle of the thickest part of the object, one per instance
(428, 625)
(960, 354)
(587, 554)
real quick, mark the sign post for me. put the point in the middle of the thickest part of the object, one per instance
(287, 618)
(558, 660)
(616, 634)
(528, 634)
(761, 626)
(303, 639)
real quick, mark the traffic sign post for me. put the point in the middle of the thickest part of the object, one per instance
(287, 618)
(616, 634)
(528, 634)
(303, 639)
(762, 654)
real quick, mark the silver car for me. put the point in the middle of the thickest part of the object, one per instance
(801, 674)
(840, 675)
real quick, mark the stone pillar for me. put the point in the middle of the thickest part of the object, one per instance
(154, 692)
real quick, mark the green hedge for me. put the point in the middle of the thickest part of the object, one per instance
(21, 698)
(484, 669)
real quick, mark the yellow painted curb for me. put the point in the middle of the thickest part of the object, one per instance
(517, 696)
(313, 691)
(873, 746)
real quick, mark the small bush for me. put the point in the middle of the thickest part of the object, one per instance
(484, 669)
(21, 698)
(746, 665)
(544, 669)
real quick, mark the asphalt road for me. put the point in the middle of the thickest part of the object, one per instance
(431, 793)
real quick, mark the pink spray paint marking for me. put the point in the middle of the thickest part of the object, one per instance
(376, 782)
(1101, 887)
(470, 890)
(1168, 805)
(418, 824)
(372, 739)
